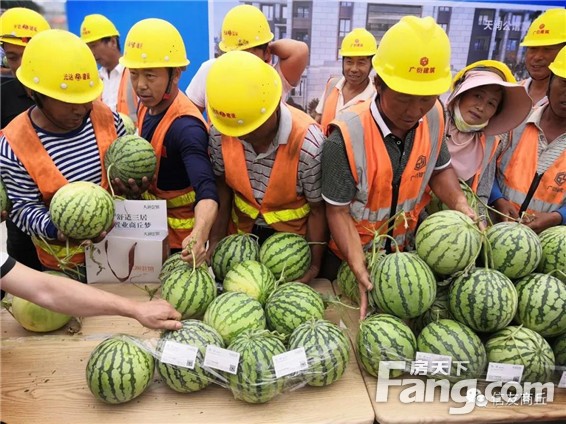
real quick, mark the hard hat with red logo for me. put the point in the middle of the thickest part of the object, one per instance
(547, 30)
(358, 42)
(242, 93)
(96, 27)
(413, 57)
(244, 27)
(18, 25)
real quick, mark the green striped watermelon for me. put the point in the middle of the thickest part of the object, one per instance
(128, 123)
(287, 255)
(5, 204)
(255, 381)
(82, 210)
(197, 334)
(439, 309)
(189, 291)
(347, 281)
(327, 350)
(484, 299)
(232, 250)
(559, 349)
(119, 370)
(252, 278)
(130, 157)
(514, 248)
(233, 312)
(553, 241)
(448, 241)
(171, 263)
(292, 304)
(522, 346)
(451, 338)
(542, 304)
(384, 337)
(403, 285)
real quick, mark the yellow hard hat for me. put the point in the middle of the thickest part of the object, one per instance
(358, 42)
(413, 57)
(96, 27)
(244, 27)
(74, 79)
(242, 92)
(558, 67)
(500, 66)
(154, 43)
(18, 25)
(547, 30)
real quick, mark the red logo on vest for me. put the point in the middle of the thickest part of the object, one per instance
(560, 178)
(421, 162)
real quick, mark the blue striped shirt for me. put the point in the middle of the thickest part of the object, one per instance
(76, 156)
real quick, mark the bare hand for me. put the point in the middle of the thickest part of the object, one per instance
(507, 209)
(467, 210)
(193, 249)
(310, 275)
(130, 190)
(540, 221)
(364, 285)
(158, 314)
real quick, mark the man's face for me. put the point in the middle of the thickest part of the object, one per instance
(104, 52)
(356, 69)
(537, 60)
(13, 56)
(66, 116)
(557, 96)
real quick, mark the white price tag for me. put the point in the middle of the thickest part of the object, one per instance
(436, 364)
(221, 359)
(562, 382)
(504, 372)
(179, 354)
(290, 362)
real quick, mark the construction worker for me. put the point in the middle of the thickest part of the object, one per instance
(544, 39)
(246, 28)
(382, 154)
(17, 26)
(178, 133)
(485, 101)
(532, 169)
(266, 156)
(103, 39)
(60, 140)
(355, 86)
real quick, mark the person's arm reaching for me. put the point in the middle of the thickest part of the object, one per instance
(293, 58)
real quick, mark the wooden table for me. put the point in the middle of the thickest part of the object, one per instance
(394, 411)
(43, 381)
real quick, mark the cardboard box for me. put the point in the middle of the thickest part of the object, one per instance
(134, 250)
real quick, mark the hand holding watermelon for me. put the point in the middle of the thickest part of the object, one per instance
(540, 221)
(131, 190)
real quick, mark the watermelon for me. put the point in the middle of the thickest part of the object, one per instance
(287, 255)
(484, 300)
(130, 157)
(232, 250)
(542, 304)
(327, 350)
(252, 278)
(292, 304)
(451, 338)
(197, 334)
(553, 241)
(514, 248)
(128, 123)
(37, 318)
(384, 337)
(448, 241)
(172, 262)
(559, 349)
(189, 291)
(347, 280)
(435, 205)
(403, 285)
(119, 370)
(439, 309)
(233, 312)
(255, 380)
(5, 204)
(522, 346)
(82, 210)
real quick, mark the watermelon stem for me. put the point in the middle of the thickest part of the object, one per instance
(109, 180)
(389, 237)
(329, 299)
(487, 252)
(7, 304)
(64, 263)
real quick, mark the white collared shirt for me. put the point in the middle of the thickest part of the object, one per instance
(368, 93)
(527, 83)
(111, 85)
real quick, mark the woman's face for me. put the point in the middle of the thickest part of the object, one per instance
(479, 104)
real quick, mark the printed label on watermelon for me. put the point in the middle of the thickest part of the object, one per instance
(179, 354)
(221, 359)
(504, 372)
(290, 362)
(562, 382)
(433, 363)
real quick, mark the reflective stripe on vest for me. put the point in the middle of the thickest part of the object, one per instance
(330, 103)
(175, 202)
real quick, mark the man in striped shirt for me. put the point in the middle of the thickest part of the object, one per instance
(60, 140)
(265, 154)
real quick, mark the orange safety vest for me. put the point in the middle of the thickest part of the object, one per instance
(518, 166)
(180, 203)
(127, 98)
(281, 208)
(28, 148)
(373, 173)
